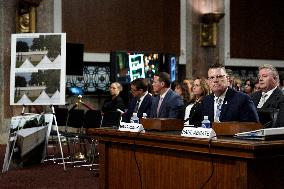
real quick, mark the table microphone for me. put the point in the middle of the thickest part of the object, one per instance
(186, 119)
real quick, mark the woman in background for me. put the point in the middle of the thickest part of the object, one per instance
(114, 102)
(182, 90)
(237, 84)
(199, 90)
(189, 83)
(249, 86)
(256, 86)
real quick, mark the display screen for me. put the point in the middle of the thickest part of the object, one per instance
(173, 73)
(152, 62)
(127, 66)
(136, 66)
(74, 59)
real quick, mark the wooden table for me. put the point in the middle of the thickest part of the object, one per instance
(166, 160)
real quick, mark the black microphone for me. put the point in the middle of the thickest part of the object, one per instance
(267, 125)
(275, 112)
(120, 111)
(268, 116)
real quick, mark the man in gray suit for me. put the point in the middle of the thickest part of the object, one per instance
(167, 104)
(270, 97)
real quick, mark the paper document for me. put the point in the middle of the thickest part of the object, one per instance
(262, 132)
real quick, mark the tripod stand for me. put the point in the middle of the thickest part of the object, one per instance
(58, 137)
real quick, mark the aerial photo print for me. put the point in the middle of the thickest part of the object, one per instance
(38, 63)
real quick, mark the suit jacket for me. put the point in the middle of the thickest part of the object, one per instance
(237, 106)
(171, 106)
(276, 100)
(145, 107)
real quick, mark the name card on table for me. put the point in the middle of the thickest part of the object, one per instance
(198, 132)
(132, 127)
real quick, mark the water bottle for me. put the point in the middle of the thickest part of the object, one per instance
(134, 118)
(205, 123)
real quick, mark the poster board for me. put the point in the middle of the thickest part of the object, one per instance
(38, 67)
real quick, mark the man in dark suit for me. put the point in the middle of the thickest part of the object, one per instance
(141, 101)
(167, 104)
(270, 95)
(225, 103)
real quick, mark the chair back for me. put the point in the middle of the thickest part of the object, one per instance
(111, 119)
(268, 117)
(61, 116)
(76, 118)
(92, 119)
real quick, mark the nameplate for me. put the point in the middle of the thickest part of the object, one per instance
(198, 132)
(131, 127)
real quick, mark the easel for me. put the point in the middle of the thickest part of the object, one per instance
(58, 137)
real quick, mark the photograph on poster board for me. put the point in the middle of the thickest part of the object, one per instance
(38, 63)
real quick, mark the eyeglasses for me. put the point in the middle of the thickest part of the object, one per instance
(218, 77)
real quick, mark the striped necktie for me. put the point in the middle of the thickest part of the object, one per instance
(262, 100)
(137, 106)
(159, 105)
(218, 109)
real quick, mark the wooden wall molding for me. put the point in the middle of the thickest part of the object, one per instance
(141, 25)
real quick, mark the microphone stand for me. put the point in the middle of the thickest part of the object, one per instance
(80, 155)
(80, 102)
(83, 103)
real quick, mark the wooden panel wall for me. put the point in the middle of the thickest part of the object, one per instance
(140, 25)
(257, 29)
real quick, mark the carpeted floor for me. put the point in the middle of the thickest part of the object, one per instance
(46, 175)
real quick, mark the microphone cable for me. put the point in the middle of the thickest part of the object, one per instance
(135, 158)
(211, 163)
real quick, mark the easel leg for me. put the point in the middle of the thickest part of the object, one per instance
(58, 135)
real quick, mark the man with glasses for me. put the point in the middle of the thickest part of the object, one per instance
(270, 96)
(225, 103)
(141, 101)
